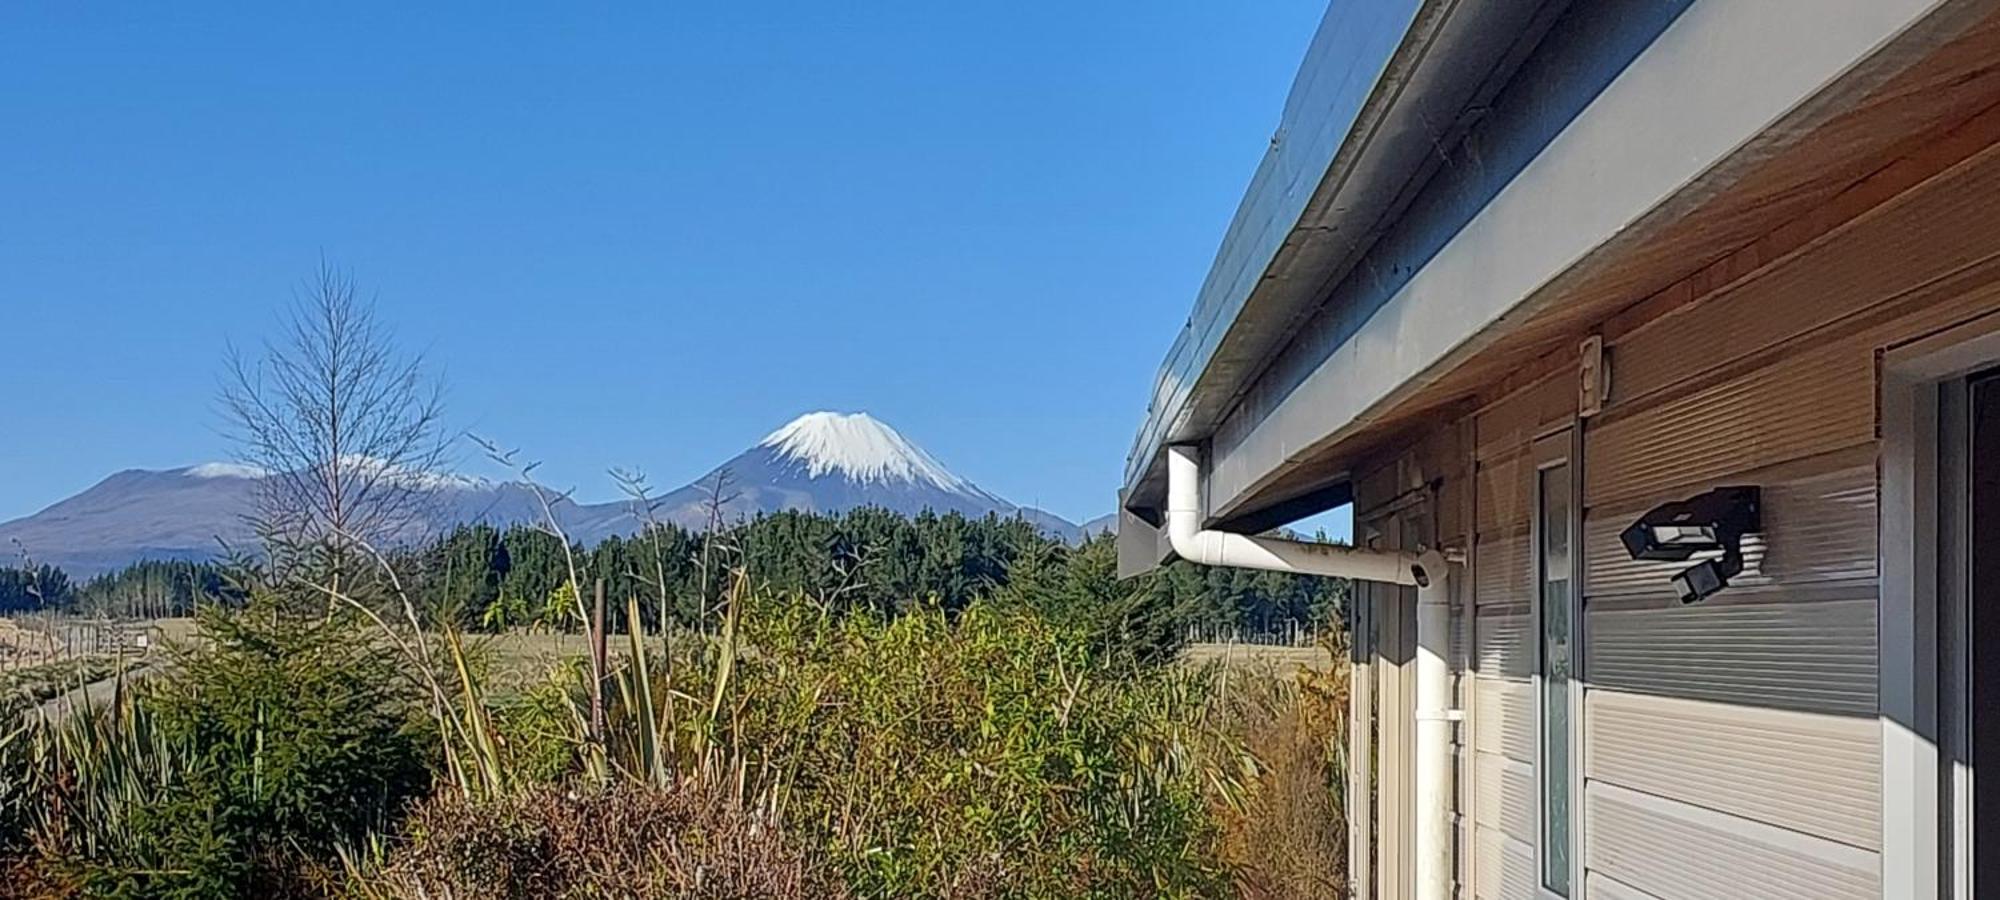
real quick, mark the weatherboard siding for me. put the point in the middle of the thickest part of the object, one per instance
(1733, 746)
(1730, 748)
(1502, 667)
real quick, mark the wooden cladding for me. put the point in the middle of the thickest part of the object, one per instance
(1802, 405)
(1811, 773)
(1674, 850)
(1819, 521)
(1503, 645)
(1938, 228)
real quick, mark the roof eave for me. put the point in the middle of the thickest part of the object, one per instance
(1448, 59)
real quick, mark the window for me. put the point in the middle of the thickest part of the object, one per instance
(1557, 631)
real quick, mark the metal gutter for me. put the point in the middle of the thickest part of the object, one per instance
(1385, 90)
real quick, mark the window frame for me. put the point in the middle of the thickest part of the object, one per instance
(1559, 449)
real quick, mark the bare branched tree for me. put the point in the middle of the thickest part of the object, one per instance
(347, 428)
(714, 508)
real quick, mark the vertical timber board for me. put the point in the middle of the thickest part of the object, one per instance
(1383, 525)
(1360, 747)
(1394, 728)
(1466, 610)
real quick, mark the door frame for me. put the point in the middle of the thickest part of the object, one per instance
(1553, 448)
(1924, 815)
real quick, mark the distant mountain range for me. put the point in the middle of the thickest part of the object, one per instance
(819, 462)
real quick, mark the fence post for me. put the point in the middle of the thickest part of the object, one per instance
(597, 664)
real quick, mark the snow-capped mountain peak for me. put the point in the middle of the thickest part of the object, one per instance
(861, 447)
(823, 462)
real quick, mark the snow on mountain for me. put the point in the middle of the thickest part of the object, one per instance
(224, 470)
(407, 477)
(819, 462)
(859, 447)
(826, 462)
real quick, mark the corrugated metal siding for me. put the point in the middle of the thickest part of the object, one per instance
(1598, 886)
(1417, 495)
(1411, 496)
(1506, 570)
(1731, 747)
(1819, 525)
(1503, 719)
(1677, 851)
(1505, 798)
(1464, 630)
(1506, 488)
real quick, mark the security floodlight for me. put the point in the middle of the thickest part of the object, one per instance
(1674, 532)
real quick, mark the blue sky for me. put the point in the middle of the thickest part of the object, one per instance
(640, 238)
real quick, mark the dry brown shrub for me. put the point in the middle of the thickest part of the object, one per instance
(624, 841)
(27, 878)
(1289, 840)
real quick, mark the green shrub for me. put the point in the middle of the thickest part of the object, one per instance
(538, 727)
(997, 753)
(269, 743)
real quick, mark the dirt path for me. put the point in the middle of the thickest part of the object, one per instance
(97, 692)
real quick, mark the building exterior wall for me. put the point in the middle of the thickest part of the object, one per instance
(1730, 748)
(1414, 498)
(1501, 669)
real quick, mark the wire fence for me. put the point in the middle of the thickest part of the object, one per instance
(1290, 633)
(44, 638)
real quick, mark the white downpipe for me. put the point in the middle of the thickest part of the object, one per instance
(1435, 720)
(1429, 572)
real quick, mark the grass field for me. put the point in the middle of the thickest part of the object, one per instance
(1284, 659)
(518, 659)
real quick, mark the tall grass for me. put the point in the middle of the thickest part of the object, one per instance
(83, 781)
(1289, 839)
